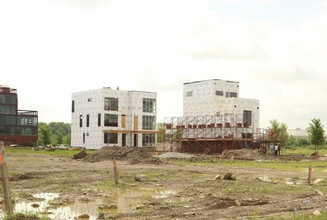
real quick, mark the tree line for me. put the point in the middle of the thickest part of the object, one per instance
(54, 134)
(316, 134)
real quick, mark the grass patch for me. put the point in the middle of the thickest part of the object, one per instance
(27, 216)
(285, 165)
(56, 152)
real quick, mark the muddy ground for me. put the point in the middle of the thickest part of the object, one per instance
(149, 187)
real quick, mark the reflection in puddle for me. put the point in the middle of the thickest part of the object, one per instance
(61, 212)
(40, 206)
(124, 203)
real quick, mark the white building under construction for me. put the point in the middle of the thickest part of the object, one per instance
(215, 118)
(219, 97)
(113, 117)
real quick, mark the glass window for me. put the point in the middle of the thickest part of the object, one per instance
(87, 120)
(28, 131)
(13, 99)
(99, 119)
(148, 140)
(10, 120)
(81, 120)
(220, 93)
(111, 120)
(2, 130)
(110, 138)
(73, 106)
(2, 98)
(149, 105)
(247, 118)
(231, 95)
(111, 104)
(148, 122)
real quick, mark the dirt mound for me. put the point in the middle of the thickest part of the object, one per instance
(212, 202)
(133, 155)
(243, 154)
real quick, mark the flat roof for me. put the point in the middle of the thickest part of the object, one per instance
(210, 80)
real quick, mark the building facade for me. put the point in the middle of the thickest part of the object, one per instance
(17, 127)
(219, 98)
(113, 117)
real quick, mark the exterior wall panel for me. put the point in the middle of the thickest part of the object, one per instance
(129, 112)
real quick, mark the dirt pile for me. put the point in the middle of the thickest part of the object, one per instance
(243, 154)
(133, 155)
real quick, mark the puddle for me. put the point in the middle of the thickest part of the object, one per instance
(125, 203)
(294, 182)
(264, 178)
(62, 212)
(164, 194)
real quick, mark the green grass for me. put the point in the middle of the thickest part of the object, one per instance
(57, 152)
(308, 150)
(285, 165)
(29, 216)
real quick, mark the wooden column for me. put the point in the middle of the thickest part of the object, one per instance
(309, 174)
(5, 180)
(115, 171)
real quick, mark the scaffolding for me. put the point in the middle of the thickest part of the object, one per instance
(214, 133)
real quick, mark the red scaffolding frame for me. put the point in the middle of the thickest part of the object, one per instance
(214, 133)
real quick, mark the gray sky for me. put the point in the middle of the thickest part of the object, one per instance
(276, 49)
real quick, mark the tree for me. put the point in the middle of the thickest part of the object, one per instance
(54, 133)
(45, 134)
(316, 133)
(278, 131)
(161, 133)
(59, 138)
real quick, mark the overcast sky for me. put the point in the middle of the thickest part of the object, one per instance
(275, 49)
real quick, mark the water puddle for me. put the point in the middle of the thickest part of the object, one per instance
(294, 182)
(164, 194)
(43, 208)
(124, 203)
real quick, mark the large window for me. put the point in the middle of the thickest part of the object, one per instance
(8, 99)
(9, 120)
(87, 120)
(148, 122)
(247, 118)
(21, 120)
(8, 130)
(111, 120)
(26, 131)
(7, 109)
(148, 140)
(73, 106)
(111, 104)
(219, 93)
(81, 120)
(110, 138)
(149, 105)
(231, 95)
(99, 119)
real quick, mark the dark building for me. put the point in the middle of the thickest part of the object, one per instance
(19, 127)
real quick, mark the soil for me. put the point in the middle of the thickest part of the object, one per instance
(162, 190)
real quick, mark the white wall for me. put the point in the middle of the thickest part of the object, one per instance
(204, 100)
(92, 102)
